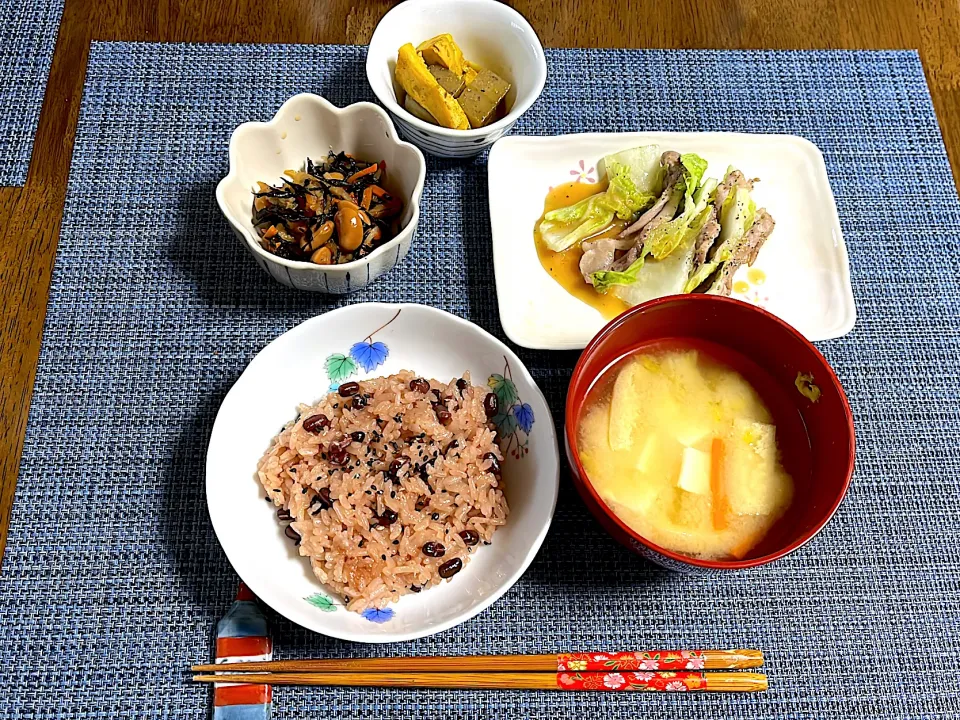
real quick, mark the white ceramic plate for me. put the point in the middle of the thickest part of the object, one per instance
(805, 260)
(291, 370)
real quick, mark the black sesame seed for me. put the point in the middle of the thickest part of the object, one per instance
(393, 493)
(415, 588)
(396, 542)
(383, 557)
(435, 516)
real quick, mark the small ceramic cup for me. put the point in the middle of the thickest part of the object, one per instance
(490, 33)
(308, 126)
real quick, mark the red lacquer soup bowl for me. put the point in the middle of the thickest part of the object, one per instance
(815, 438)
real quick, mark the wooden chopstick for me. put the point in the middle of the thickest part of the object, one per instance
(650, 660)
(575, 681)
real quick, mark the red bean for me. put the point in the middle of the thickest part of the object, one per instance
(349, 389)
(433, 549)
(470, 537)
(491, 404)
(316, 424)
(450, 568)
(420, 385)
(388, 516)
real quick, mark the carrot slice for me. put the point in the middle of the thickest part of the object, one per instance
(367, 197)
(271, 231)
(740, 550)
(717, 489)
(366, 171)
(378, 191)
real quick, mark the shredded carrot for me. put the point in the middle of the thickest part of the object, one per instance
(378, 191)
(717, 489)
(383, 170)
(366, 171)
(367, 197)
(271, 231)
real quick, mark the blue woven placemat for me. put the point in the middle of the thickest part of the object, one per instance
(113, 579)
(28, 32)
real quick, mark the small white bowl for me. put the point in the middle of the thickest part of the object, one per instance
(489, 33)
(290, 370)
(309, 126)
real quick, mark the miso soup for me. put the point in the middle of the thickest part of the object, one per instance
(684, 450)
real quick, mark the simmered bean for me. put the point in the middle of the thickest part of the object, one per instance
(450, 568)
(316, 424)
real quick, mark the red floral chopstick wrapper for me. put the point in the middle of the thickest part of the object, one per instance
(643, 680)
(655, 660)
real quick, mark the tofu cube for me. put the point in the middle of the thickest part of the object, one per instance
(695, 471)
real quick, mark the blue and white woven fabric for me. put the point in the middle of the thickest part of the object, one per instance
(113, 580)
(29, 35)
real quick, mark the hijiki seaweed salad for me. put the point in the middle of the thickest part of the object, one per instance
(330, 212)
(659, 228)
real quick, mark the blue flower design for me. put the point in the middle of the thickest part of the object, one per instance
(378, 616)
(524, 415)
(370, 355)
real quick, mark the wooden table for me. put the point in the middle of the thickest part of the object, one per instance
(31, 215)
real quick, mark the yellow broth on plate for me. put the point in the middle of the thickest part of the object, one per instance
(564, 267)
